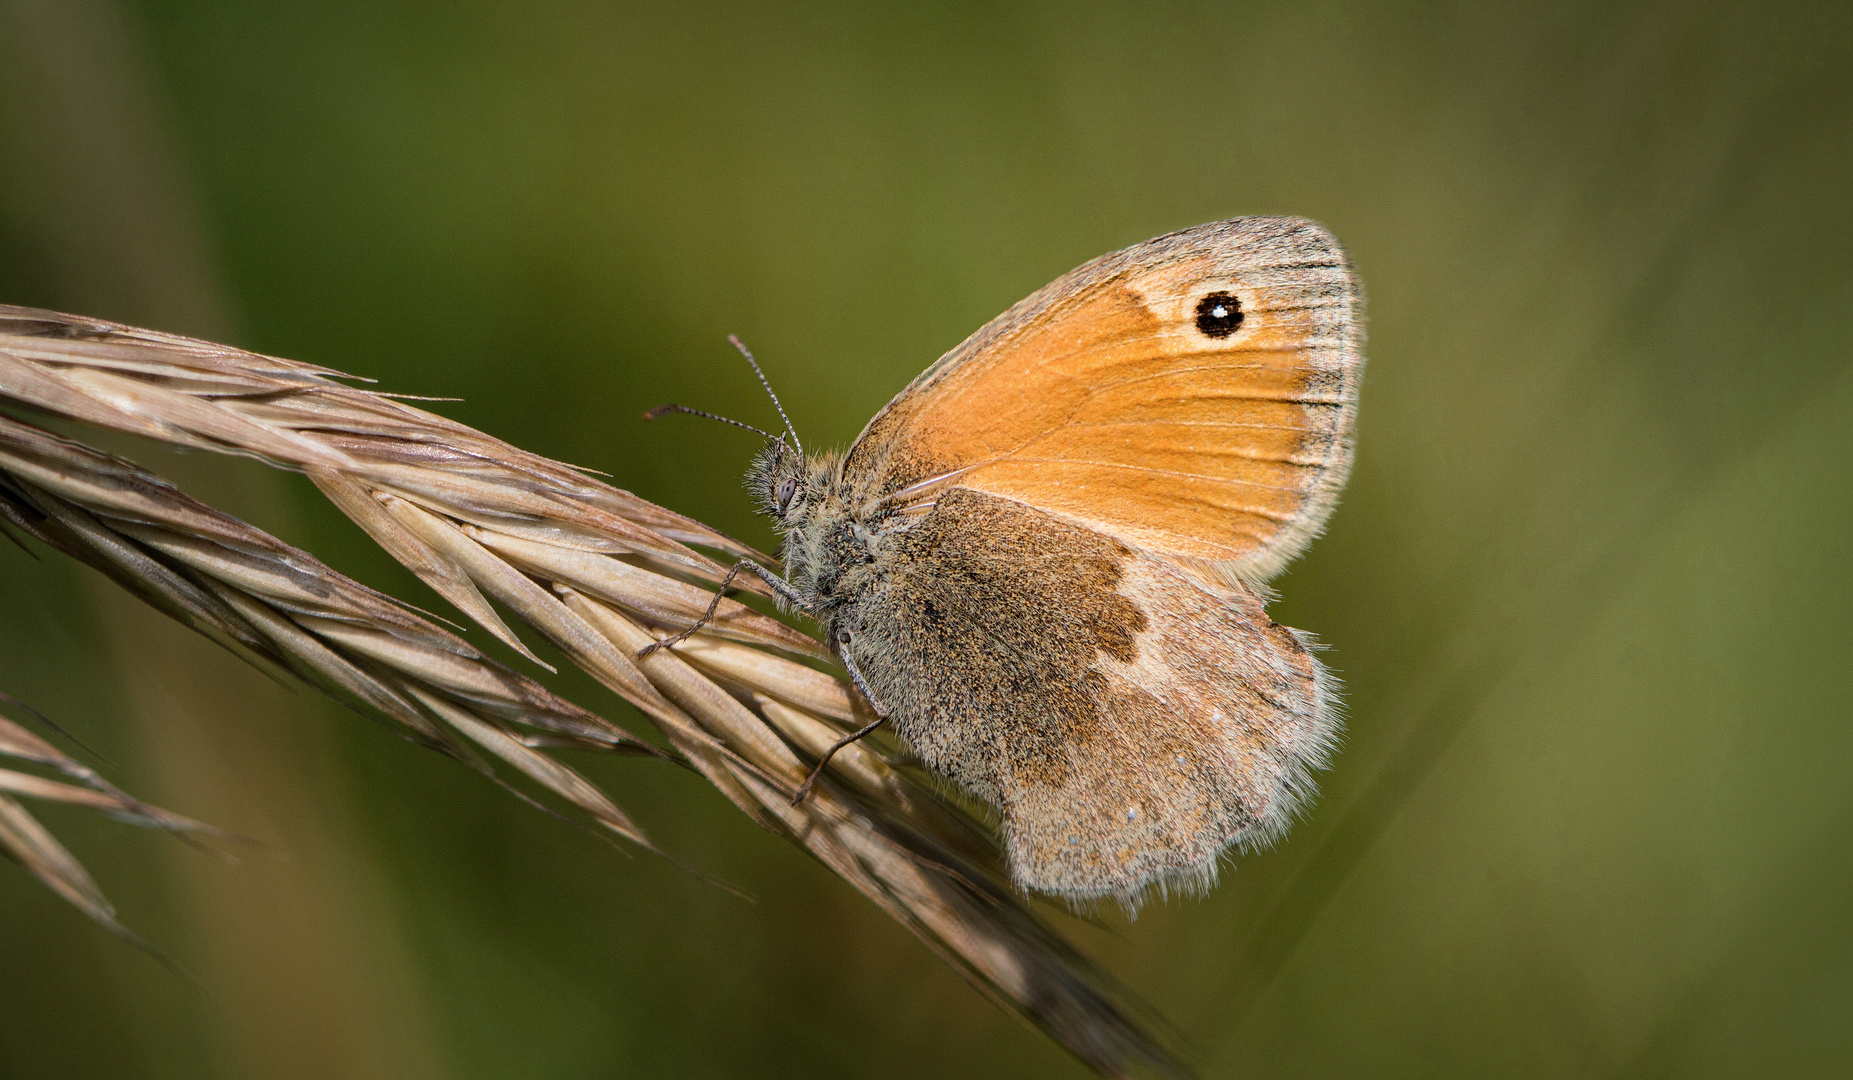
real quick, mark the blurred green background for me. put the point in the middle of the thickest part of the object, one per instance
(1589, 588)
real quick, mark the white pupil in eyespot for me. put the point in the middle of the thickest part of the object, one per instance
(1220, 311)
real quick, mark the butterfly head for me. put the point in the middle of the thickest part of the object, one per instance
(804, 497)
(791, 488)
(777, 473)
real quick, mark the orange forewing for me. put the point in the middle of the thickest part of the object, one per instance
(1100, 398)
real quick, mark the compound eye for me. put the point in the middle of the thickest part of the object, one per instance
(787, 488)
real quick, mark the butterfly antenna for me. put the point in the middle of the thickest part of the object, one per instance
(661, 410)
(734, 340)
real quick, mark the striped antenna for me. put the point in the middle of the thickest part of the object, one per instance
(734, 339)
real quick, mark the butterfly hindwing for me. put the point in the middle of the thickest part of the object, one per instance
(1128, 720)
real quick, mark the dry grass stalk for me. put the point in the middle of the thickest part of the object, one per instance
(598, 571)
(283, 611)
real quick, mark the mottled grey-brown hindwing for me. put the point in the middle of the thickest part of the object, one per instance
(1128, 720)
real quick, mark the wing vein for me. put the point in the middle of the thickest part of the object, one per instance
(1169, 472)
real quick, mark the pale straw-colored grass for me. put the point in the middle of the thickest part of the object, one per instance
(597, 571)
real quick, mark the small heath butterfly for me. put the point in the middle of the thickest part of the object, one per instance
(1044, 562)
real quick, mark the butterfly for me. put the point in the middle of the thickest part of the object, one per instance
(1044, 561)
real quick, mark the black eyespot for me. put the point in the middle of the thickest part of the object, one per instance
(1219, 314)
(787, 488)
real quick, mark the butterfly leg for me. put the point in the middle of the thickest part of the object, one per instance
(855, 676)
(779, 585)
(805, 788)
(881, 717)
